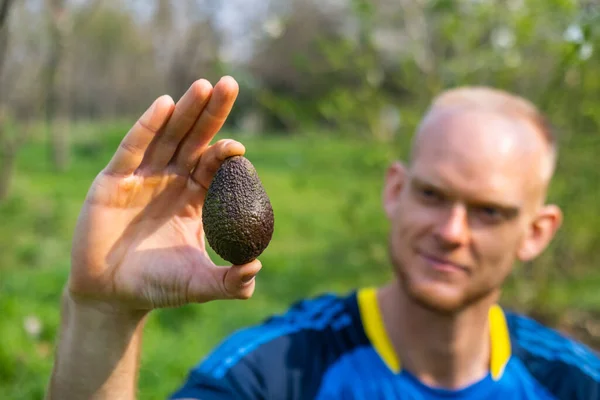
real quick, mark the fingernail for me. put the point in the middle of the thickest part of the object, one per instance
(247, 279)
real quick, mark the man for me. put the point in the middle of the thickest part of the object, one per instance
(470, 202)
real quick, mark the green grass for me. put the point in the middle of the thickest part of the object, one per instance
(330, 235)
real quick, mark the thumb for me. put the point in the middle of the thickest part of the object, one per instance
(239, 280)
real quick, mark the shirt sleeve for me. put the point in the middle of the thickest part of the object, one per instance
(283, 368)
(284, 357)
(243, 381)
(250, 365)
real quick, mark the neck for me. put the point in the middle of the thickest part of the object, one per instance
(441, 350)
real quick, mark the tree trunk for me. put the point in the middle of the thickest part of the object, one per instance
(4, 11)
(58, 136)
(7, 151)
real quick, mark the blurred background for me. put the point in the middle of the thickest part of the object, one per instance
(330, 93)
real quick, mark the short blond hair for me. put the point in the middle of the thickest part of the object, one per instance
(502, 102)
(481, 97)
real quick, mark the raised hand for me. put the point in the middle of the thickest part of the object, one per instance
(139, 242)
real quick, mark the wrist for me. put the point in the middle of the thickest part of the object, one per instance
(104, 309)
(92, 315)
(98, 350)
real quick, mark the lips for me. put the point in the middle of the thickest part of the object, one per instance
(442, 264)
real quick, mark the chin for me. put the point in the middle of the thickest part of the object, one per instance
(438, 298)
(442, 297)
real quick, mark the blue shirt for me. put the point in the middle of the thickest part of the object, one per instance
(335, 347)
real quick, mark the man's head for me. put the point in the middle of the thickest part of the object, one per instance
(472, 199)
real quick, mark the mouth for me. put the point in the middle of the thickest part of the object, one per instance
(443, 265)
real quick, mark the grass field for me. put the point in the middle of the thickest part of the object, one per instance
(330, 235)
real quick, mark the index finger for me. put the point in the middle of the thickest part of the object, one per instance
(208, 124)
(132, 148)
(185, 114)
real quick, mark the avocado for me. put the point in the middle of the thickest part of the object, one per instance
(237, 214)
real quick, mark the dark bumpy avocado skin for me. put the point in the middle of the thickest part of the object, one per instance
(237, 214)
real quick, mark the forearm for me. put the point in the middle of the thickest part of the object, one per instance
(98, 354)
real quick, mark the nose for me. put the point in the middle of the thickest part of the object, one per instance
(453, 228)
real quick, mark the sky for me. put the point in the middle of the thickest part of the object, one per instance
(232, 18)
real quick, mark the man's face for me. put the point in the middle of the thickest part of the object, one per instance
(465, 209)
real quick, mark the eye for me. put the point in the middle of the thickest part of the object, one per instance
(428, 192)
(430, 195)
(489, 214)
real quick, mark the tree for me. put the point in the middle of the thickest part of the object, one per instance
(9, 142)
(58, 25)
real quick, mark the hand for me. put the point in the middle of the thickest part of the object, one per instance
(139, 243)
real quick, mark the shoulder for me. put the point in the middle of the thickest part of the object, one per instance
(272, 357)
(307, 318)
(567, 368)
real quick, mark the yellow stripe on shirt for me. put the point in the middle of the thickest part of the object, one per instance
(373, 323)
(500, 342)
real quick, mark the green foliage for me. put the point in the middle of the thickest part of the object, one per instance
(355, 107)
(330, 235)
(362, 85)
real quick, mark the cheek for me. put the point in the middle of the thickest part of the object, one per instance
(410, 223)
(498, 249)
(415, 217)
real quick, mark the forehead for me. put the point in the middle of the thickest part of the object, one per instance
(479, 153)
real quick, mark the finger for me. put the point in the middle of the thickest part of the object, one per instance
(239, 280)
(130, 152)
(212, 159)
(233, 282)
(186, 112)
(208, 124)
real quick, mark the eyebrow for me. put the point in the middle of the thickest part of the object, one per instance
(510, 210)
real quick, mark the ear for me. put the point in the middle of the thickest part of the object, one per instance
(394, 182)
(541, 232)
